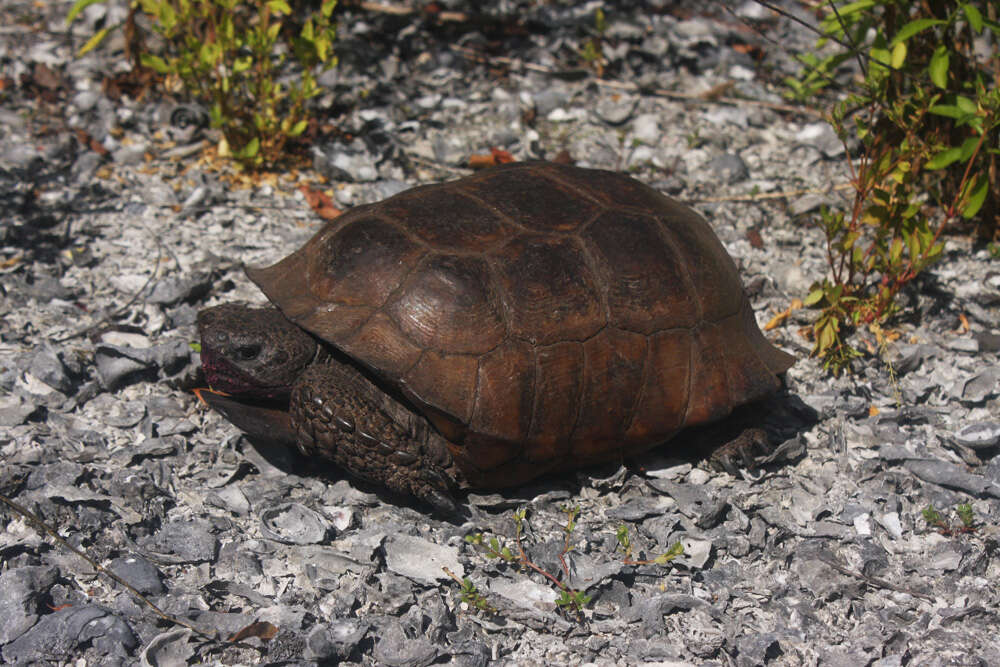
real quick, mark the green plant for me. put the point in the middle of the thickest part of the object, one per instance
(470, 595)
(229, 54)
(964, 512)
(817, 75)
(592, 52)
(967, 521)
(926, 116)
(625, 542)
(569, 600)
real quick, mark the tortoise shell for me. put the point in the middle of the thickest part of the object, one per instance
(541, 316)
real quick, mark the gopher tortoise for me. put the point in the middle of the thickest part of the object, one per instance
(479, 333)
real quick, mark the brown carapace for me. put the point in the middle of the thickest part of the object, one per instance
(529, 318)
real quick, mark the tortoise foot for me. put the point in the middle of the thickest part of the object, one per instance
(747, 450)
(340, 415)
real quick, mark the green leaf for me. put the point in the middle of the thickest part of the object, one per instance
(880, 57)
(912, 28)
(308, 32)
(968, 147)
(167, 16)
(965, 104)
(896, 249)
(227, 28)
(279, 6)
(975, 18)
(154, 62)
(216, 115)
(976, 198)
(826, 335)
(322, 47)
(242, 64)
(298, 128)
(944, 158)
(898, 55)
(78, 7)
(948, 110)
(250, 150)
(938, 69)
(853, 7)
(93, 41)
(327, 8)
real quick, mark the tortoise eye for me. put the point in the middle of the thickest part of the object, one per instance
(247, 352)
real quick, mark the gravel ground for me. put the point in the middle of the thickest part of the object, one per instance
(117, 226)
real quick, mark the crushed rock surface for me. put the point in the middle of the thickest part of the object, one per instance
(116, 229)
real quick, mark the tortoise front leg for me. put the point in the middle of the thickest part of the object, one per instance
(340, 415)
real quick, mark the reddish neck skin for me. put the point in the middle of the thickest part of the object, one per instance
(222, 375)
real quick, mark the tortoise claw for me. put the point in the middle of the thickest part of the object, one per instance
(442, 503)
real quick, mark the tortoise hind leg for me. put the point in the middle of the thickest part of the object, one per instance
(340, 415)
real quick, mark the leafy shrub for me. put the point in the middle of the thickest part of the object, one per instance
(229, 54)
(926, 114)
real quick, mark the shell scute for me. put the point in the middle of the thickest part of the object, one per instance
(360, 263)
(450, 304)
(552, 293)
(531, 200)
(647, 279)
(447, 219)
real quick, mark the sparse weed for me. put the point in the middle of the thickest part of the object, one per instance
(571, 601)
(967, 521)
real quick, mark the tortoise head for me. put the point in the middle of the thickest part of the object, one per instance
(254, 353)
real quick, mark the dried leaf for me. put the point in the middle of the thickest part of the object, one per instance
(480, 161)
(501, 156)
(320, 202)
(261, 629)
(90, 142)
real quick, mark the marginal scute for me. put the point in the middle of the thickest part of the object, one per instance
(711, 397)
(664, 394)
(534, 201)
(505, 388)
(714, 278)
(776, 360)
(612, 377)
(553, 295)
(557, 399)
(648, 288)
(749, 378)
(450, 304)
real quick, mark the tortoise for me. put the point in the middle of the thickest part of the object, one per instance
(530, 318)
